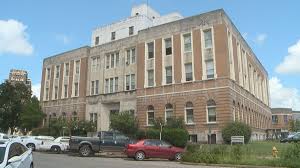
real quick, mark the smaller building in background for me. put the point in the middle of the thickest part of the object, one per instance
(296, 115)
(21, 76)
(280, 122)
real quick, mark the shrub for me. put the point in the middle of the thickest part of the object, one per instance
(291, 156)
(204, 154)
(176, 136)
(236, 129)
(124, 122)
(236, 153)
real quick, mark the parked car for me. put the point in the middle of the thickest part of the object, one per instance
(15, 155)
(34, 142)
(105, 141)
(292, 138)
(57, 146)
(152, 148)
(3, 136)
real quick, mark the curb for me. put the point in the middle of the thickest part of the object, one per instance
(227, 165)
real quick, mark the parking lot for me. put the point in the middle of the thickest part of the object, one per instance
(46, 160)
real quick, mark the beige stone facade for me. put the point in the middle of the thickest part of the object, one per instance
(199, 68)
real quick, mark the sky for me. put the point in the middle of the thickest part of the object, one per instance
(32, 30)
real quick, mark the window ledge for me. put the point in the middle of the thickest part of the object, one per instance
(211, 123)
(190, 124)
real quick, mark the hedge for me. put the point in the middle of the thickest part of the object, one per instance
(236, 129)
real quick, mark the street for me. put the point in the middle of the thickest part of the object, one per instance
(46, 160)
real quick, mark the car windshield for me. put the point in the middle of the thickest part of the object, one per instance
(2, 153)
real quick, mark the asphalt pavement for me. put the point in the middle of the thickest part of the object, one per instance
(48, 160)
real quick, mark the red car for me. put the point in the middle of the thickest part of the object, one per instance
(152, 148)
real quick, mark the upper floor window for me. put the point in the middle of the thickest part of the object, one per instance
(112, 60)
(188, 72)
(92, 87)
(48, 73)
(207, 38)
(187, 42)
(150, 77)
(111, 85)
(169, 78)
(113, 35)
(97, 87)
(56, 92)
(131, 30)
(67, 66)
(211, 111)
(65, 91)
(77, 66)
(274, 119)
(285, 119)
(130, 56)
(150, 50)
(107, 61)
(210, 69)
(57, 72)
(168, 46)
(130, 82)
(47, 93)
(76, 88)
(95, 63)
(97, 40)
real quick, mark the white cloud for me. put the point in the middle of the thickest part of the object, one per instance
(283, 96)
(13, 38)
(260, 39)
(291, 62)
(36, 89)
(63, 38)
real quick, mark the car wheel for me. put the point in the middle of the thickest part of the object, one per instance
(31, 146)
(55, 149)
(178, 156)
(139, 155)
(85, 151)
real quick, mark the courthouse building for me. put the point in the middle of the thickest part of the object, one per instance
(199, 68)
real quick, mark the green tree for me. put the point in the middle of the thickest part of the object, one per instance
(13, 98)
(32, 115)
(294, 126)
(124, 122)
(236, 129)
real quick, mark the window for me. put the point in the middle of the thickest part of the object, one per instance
(66, 91)
(106, 85)
(93, 117)
(67, 69)
(77, 66)
(188, 72)
(111, 85)
(133, 55)
(48, 73)
(93, 88)
(193, 138)
(168, 46)
(112, 60)
(97, 87)
(169, 112)
(97, 40)
(207, 38)
(127, 85)
(94, 64)
(128, 57)
(107, 61)
(76, 89)
(47, 93)
(274, 119)
(57, 72)
(113, 35)
(187, 42)
(150, 116)
(285, 119)
(56, 92)
(117, 59)
(131, 30)
(211, 111)
(189, 113)
(169, 75)
(116, 84)
(210, 70)
(150, 50)
(150, 77)
(132, 81)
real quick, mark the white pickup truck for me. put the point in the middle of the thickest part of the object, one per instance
(60, 144)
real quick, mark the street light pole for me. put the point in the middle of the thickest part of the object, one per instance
(160, 130)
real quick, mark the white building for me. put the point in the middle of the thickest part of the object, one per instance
(142, 17)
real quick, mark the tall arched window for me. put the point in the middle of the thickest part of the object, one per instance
(168, 112)
(211, 111)
(189, 113)
(150, 115)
